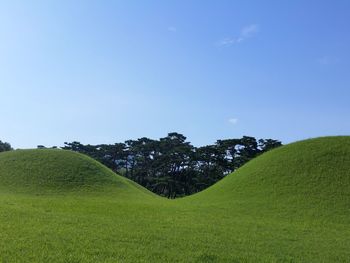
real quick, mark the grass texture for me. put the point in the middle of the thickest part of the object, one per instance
(291, 204)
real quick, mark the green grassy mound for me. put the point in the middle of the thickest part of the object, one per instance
(291, 204)
(48, 170)
(311, 176)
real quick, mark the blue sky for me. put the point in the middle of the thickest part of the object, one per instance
(107, 71)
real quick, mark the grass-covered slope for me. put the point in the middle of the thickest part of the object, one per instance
(291, 204)
(49, 170)
(312, 174)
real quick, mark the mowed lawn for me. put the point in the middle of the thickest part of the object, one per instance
(289, 205)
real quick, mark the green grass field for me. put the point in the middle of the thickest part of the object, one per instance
(291, 204)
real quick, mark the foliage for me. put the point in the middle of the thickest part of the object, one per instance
(5, 146)
(171, 166)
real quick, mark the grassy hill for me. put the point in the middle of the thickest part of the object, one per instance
(58, 171)
(291, 204)
(310, 176)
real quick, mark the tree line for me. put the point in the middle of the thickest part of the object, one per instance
(171, 166)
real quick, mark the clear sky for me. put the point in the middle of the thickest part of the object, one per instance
(107, 71)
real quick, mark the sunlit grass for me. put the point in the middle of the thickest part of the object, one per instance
(289, 205)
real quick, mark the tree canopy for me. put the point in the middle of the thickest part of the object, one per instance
(172, 166)
(5, 146)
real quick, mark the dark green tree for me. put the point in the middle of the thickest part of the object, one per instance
(268, 144)
(5, 146)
